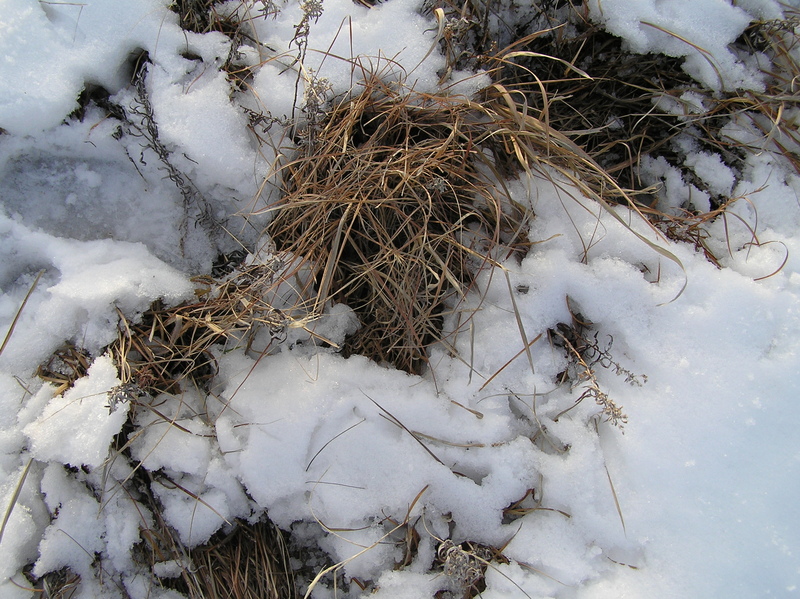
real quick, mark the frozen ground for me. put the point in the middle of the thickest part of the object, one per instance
(697, 498)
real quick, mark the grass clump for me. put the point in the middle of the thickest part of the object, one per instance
(389, 203)
(250, 562)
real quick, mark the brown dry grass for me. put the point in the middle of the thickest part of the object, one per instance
(252, 562)
(393, 201)
(390, 205)
(613, 113)
(396, 199)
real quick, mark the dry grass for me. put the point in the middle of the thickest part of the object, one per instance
(578, 79)
(203, 16)
(248, 560)
(389, 203)
(773, 111)
(169, 348)
(61, 584)
(252, 562)
(615, 113)
(65, 366)
(393, 201)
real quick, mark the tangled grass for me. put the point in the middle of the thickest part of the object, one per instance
(390, 204)
(250, 562)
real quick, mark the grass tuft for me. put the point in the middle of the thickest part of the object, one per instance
(389, 205)
(252, 562)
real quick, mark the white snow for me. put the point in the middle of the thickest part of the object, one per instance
(695, 499)
(76, 533)
(700, 31)
(84, 284)
(84, 411)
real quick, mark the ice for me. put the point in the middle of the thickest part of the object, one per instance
(141, 206)
(87, 188)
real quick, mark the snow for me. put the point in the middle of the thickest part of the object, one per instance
(699, 31)
(714, 173)
(84, 410)
(695, 498)
(35, 95)
(84, 284)
(76, 533)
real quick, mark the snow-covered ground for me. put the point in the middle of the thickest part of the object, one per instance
(695, 497)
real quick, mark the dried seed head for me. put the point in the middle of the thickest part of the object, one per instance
(464, 566)
(312, 9)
